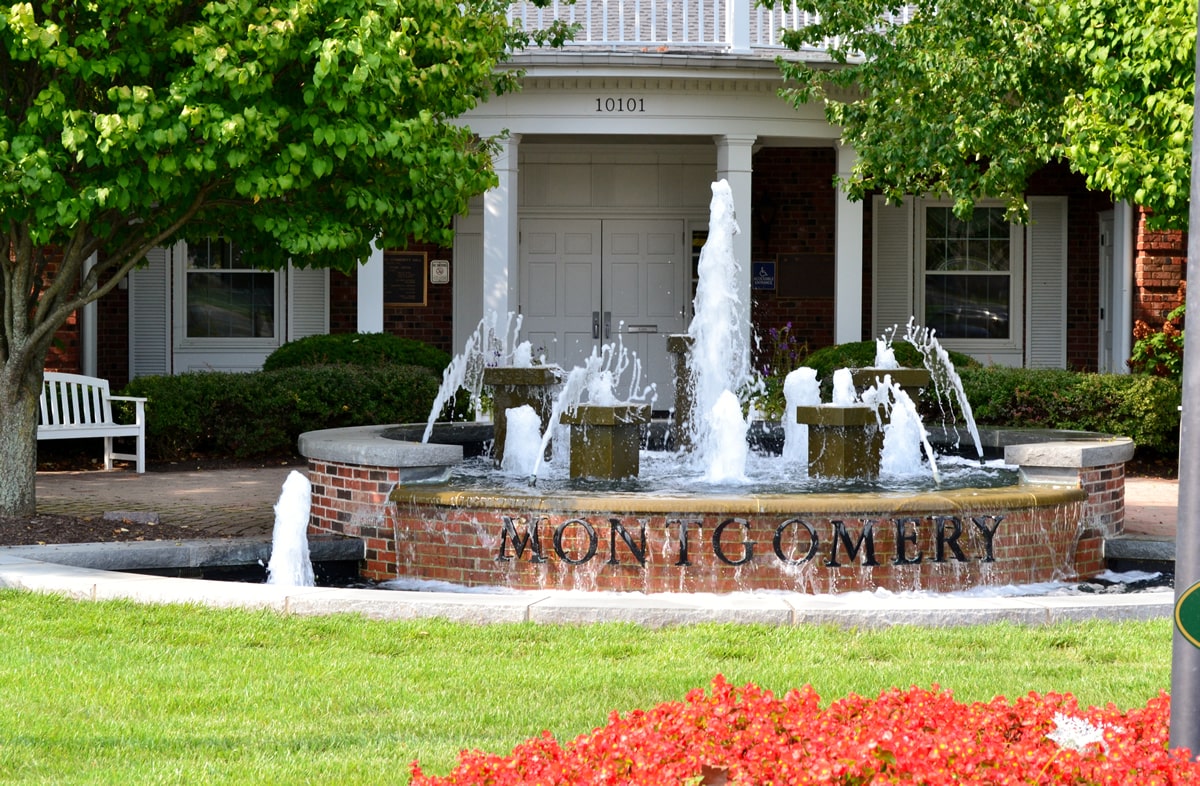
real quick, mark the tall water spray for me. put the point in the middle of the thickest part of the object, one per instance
(719, 358)
(290, 565)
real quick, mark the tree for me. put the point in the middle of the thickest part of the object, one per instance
(965, 99)
(301, 130)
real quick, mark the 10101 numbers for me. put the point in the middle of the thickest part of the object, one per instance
(620, 105)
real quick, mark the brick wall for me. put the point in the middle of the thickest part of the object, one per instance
(353, 500)
(1105, 487)
(794, 199)
(730, 553)
(432, 323)
(112, 341)
(696, 551)
(1159, 265)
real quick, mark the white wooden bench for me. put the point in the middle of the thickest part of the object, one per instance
(73, 406)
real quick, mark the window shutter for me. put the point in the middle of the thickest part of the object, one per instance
(893, 269)
(1046, 240)
(150, 316)
(308, 302)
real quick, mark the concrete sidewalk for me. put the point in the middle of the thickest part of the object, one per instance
(240, 502)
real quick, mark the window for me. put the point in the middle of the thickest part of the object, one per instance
(969, 282)
(225, 298)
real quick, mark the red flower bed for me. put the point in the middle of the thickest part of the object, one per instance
(748, 736)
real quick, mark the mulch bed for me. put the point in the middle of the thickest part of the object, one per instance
(47, 528)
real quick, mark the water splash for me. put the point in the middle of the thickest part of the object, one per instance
(728, 434)
(487, 345)
(904, 435)
(800, 389)
(522, 439)
(290, 565)
(943, 376)
(719, 357)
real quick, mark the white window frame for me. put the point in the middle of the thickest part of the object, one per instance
(183, 340)
(1011, 347)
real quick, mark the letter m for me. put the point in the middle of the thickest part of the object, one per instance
(520, 542)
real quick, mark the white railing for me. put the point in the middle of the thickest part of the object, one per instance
(735, 25)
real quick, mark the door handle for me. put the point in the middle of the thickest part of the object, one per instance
(595, 324)
(607, 325)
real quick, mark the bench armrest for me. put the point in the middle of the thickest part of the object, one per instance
(128, 398)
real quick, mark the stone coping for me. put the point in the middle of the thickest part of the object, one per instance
(368, 446)
(814, 504)
(862, 610)
(1077, 454)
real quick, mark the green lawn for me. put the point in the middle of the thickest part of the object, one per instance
(131, 694)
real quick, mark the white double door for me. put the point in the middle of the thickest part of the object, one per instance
(588, 282)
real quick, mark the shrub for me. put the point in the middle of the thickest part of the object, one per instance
(861, 354)
(1143, 408)
(261, 414)
(748, 736)
(357, 349)
(1160, 352)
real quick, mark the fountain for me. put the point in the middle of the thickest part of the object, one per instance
(699, 520)
(290, 565)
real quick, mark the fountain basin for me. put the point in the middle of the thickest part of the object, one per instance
(1050, 527)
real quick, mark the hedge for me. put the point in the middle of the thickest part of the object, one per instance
(261, 414)
(356, 349)
(1143, 408)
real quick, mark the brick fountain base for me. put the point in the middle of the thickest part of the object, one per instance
(392, 495)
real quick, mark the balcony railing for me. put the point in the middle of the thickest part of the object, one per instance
(722, 25)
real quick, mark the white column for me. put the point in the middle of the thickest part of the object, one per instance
(848, 256)
(370, 292)
(734, 164)
(1124, 232)
(500, 238)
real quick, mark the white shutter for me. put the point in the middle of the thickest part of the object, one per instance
(150, 316)
(892, 243)
(1046, 318)
(307, 302)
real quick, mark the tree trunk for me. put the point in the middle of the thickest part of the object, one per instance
(19, 392)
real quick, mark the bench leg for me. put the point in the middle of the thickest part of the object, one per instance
(108, 456)
(141, 452)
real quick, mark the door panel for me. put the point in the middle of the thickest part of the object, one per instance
(644, 264)
(584, 282)
(560, 287)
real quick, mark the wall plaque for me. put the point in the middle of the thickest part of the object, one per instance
(405, 278)
(806, 275)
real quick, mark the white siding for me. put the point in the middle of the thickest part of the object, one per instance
(893, 264)
(1046, 341)
(150, 316)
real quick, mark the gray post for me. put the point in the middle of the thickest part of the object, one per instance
(1185, 654)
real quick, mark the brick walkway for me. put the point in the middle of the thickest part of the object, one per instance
(222, 503)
